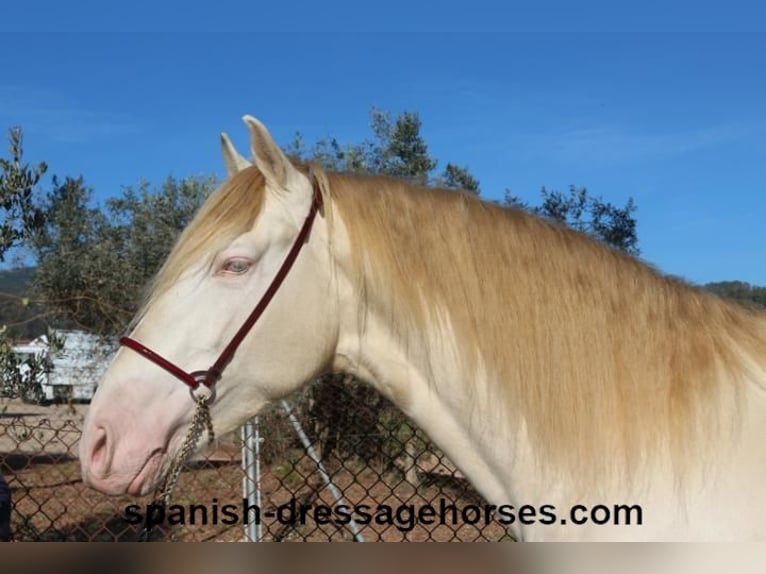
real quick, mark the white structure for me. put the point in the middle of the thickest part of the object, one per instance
(76, 367)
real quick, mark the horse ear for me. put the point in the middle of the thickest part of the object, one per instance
(232, 160)
(274, 165)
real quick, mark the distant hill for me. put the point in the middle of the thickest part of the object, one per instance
(16, 281)
(740, 291)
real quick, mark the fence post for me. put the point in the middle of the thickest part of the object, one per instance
(251, 485)
(320, 465)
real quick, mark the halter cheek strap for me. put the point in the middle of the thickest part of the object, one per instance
(209, 377)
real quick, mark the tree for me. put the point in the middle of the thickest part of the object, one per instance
(70, 275)
(20, 219)
(612, 225)
(94, 263)
(397, 149)
(401, 151)
(17, 181)
(456, 177)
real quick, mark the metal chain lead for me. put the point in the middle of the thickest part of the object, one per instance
(200, 421)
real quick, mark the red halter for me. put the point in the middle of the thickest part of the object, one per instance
(214, 373)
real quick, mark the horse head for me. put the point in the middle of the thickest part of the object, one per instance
(222, 266)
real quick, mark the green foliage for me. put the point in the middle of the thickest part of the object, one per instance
(604, 221)
(739, 291)
(93, 264)
(397, 149)
(20, 219)
(63, 248)
(20, 312)
(17, 181)
(456, 177)
(22, 376)
(401, 151)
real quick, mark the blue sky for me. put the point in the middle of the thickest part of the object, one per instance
(676, 120)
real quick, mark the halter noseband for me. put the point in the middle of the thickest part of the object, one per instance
(209, 377)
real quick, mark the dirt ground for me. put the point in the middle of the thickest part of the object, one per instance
(18, 408)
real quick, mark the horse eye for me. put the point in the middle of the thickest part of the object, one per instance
(236, 266)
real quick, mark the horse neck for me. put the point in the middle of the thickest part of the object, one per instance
(434, 398)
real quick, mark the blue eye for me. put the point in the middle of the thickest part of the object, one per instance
(236, 266)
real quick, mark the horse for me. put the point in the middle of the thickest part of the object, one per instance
(555, 372)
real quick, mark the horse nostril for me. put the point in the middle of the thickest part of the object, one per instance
(99, 454)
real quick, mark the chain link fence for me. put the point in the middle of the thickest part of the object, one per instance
(336, 462)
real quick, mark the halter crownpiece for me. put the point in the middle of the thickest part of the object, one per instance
(198, 380)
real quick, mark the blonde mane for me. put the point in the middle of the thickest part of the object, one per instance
(593, 351)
